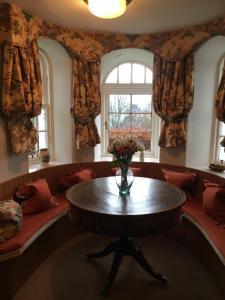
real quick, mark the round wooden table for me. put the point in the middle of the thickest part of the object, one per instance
(97, 206)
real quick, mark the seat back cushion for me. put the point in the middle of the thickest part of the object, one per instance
(213, 201)
(74, 177)
(36, 196)
(180, 179)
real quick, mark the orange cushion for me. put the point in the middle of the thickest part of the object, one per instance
(136, 171)
(32, 223)
(180, 179)
(213, 201)
(75, 177)
(38, 197)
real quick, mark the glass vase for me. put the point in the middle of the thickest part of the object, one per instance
(124, 179)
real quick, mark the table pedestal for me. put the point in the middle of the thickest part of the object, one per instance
(124, 246)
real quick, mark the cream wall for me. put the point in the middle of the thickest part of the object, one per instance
(10, 165)
(201, 121)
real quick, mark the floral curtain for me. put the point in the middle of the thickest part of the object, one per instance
(220, 102)
(21, 94)
(173, 97)
(86, 102)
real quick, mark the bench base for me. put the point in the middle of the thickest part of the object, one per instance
(17, 270)
(190, 235)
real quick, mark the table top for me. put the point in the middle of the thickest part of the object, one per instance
(147, 197)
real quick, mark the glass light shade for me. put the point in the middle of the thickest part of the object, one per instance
(107, 9)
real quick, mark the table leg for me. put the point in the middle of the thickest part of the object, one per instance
(124, 246)
(115, 266)
(107, 250)
(137, 254)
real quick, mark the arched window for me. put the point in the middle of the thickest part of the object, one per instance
(127, 106)
(42, 122)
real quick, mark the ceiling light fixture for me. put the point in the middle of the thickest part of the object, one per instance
(107, 9)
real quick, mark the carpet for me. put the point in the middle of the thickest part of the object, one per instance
(67, 275)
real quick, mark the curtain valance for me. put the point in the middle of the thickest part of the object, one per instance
(21, 28)
(21, 95)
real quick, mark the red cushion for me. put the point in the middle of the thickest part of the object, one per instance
(75, 177)
(31, 224)
(85, 175)
(215, 232)
(213, 201)
(41, 198)
(136, 171)
(179, 179)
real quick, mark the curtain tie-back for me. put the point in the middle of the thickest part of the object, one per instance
(85, 120)
(168, 119)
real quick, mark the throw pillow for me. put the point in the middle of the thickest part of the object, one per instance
(213, 201)
(75, 177)
(85, 175)
(180, 179)
(11, 219)
(36, 196)
(136, 171)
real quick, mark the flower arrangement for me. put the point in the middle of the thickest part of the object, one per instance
(123, 148)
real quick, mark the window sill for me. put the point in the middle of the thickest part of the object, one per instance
(206, 169)
(38, 166)
(135, 158)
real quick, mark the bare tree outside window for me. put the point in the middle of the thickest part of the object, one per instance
(127, 117)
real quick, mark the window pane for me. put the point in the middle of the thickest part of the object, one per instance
(144, 136)
(119, 125)
(42, 136)
(119, 103)
(119, 120)
(35, 122)
(112, 77)
(141, 103)
(42, 120)
(148, 75)
(125, 73)
(221, 153)
(138, 75)
(221, 128)
(141, 129)
(141, 121)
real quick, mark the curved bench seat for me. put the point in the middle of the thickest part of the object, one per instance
(43, 232)
(214, 233)
(33, 226)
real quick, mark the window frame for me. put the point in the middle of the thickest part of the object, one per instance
(44, 64)
(218, 138)
(217, 128)
(128, 88)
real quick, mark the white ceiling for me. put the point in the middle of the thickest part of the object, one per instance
(142, 16)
